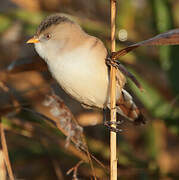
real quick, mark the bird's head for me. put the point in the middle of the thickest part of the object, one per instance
(51, 35)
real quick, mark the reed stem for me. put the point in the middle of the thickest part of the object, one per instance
(113, 144)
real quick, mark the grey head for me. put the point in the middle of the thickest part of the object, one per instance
(54, 19)
(52, 35)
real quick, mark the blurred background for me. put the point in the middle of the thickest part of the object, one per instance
(37, 150)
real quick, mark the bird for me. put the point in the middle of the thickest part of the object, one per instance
(77, 61)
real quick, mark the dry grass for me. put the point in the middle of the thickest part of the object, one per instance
(5, 153)
(113, 146)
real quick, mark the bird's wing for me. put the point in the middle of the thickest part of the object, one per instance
(120, 80)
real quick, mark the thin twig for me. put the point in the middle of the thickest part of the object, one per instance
(3, 172)
(74, 170)
(5, 152)
(113, 158)
(89, 157)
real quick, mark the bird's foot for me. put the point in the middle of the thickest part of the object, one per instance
(115, 129)
(116, 63)
(109, 124)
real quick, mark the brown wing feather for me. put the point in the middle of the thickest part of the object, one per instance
(127, 108)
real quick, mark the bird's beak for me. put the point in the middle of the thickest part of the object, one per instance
(33, 40)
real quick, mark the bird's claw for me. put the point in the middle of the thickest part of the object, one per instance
(116, 63)
(114, 129)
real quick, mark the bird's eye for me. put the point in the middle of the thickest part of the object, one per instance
(47, 36)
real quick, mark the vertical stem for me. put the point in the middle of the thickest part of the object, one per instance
(5, 152)
(2, 166)
(113, 158)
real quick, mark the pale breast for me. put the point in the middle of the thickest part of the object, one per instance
(83, 74)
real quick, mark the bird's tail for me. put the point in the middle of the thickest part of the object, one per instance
(127, 108)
